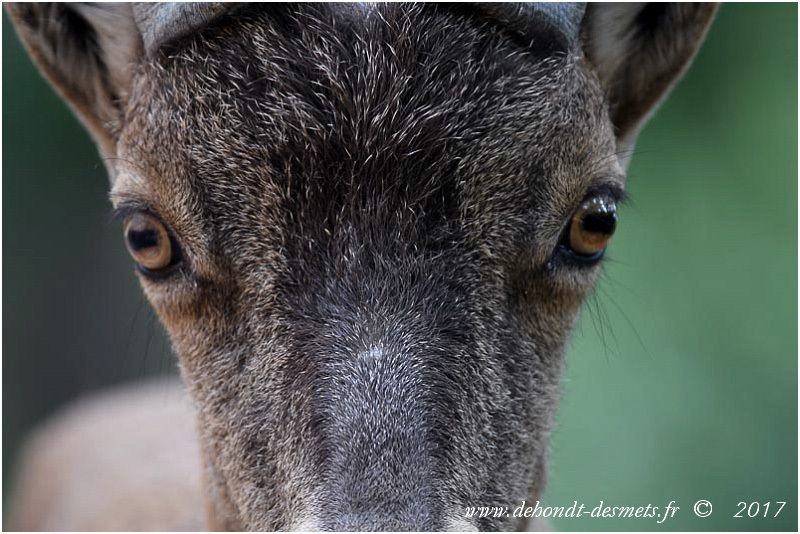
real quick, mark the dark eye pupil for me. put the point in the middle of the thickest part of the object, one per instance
(600, 222)
(142, 239)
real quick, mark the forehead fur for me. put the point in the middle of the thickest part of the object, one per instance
(337, 110)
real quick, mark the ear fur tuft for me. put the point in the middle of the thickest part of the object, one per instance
(88, 53)
(639, 51)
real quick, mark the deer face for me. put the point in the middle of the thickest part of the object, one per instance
(368, 232)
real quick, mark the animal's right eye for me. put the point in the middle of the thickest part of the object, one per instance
(150, 244)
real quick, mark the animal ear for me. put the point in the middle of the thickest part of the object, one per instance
(87, 52)
(639, 51)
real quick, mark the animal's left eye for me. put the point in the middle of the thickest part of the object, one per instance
(590, 229)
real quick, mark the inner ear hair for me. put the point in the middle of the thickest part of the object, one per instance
(639, 50)
(88, 53)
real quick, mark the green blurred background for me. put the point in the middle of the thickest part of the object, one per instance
(682, 377)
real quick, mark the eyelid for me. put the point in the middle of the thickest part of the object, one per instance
(609, 189)
(130, 206)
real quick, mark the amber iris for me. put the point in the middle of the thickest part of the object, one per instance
(148, 242)
(592, 226)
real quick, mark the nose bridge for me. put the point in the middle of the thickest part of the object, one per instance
(380, 462)
(378, 323)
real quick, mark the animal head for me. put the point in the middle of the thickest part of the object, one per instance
(368, 229)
